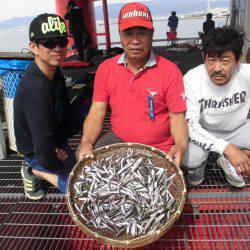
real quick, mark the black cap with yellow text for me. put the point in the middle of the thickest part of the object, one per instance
(47, 26)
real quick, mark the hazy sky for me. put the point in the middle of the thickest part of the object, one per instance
(19, 8)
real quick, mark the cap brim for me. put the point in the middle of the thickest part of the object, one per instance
(52, 36)
(130, 24)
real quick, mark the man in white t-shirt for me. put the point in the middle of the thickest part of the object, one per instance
(218, 103)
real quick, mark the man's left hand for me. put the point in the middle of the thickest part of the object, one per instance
(240, 159)
(176, 154)
(179, 132)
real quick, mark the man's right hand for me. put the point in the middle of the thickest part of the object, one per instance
(239, 159)
(84, 149)
(61, 154)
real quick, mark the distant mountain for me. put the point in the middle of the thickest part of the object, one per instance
(164, 7)
(15, 22)
(157, 7)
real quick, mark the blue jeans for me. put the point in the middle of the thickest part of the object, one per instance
(72, 122)
(62, 174)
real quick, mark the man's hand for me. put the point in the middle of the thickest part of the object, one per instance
(61, 154)
(85, 149)
(240, 159)
(176, 154)
(179, 132)
(92, 128)
(246, 151)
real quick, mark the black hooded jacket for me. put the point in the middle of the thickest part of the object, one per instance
(76, 20)
(38, 110)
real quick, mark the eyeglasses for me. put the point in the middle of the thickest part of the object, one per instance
(52, 43)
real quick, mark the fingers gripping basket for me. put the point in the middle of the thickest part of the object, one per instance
(177, 190)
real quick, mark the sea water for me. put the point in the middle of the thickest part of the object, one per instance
(16, 40)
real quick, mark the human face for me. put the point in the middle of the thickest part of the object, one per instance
(220, 69)
(136, 42)
(48, 56)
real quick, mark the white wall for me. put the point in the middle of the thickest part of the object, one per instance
(246, 49)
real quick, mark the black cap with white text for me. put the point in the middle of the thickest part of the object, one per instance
(46, 26)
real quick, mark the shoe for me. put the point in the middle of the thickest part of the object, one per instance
(231, 175)
(32, 184)
(196, 176)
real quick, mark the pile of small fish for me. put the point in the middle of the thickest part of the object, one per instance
(127, 194)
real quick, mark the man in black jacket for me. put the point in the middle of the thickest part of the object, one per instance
(209, 24)
(76, 26)
(43, 119)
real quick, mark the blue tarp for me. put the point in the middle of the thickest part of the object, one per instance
(11, 71)
(2, 71)
(16, 65)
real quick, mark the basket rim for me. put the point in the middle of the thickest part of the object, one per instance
(142, 239)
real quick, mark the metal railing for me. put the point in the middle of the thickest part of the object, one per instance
(193, 40)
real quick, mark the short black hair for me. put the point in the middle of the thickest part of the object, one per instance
(220, 40)
(209, 15)
(71, 3)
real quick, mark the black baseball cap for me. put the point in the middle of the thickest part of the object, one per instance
(47, 26)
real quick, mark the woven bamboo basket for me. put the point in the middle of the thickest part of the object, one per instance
(177, 189)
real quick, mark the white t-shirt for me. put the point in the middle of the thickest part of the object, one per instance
(217, 108)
